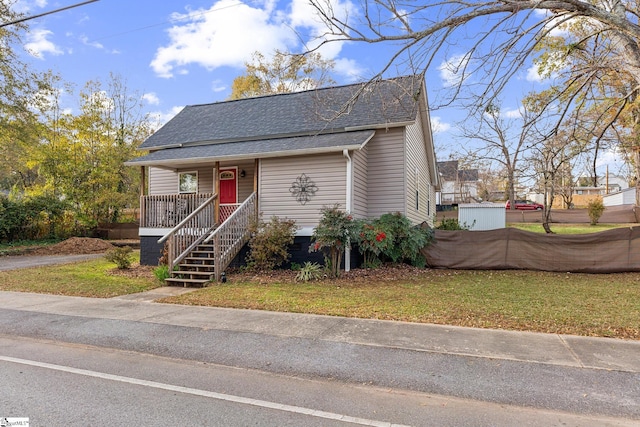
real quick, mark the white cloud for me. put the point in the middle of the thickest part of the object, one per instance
(25, 6)
(452, 71)
(38, 44)
(162, 117)
(438, 126)
(218, 86)
(151, 98)
(512, 114)
(533, 75)
(229, 32)
(226, 34)
(85, 40)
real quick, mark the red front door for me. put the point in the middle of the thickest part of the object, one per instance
(228, 186)
(228, 192)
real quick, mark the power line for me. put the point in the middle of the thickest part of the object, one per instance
(17, 21)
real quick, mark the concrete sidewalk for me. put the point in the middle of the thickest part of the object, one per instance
(563, 350)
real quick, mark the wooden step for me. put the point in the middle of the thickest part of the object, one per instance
(174, 281)
(191, 273)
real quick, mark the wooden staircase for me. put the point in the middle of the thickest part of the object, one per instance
(199, 254)
(197, 269)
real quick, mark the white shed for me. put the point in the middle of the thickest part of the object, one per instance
(624, 197)
(482, 216)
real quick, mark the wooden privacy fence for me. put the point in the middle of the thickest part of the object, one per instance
(611, 251)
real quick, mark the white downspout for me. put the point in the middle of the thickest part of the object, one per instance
(347, 251)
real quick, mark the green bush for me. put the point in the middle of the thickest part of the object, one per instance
(268, 246)
(332, 235)
(407, 240)
(122, 257)
(34, 218)
(452, 224)
(161, 272)
(595, 208)
(309, 271)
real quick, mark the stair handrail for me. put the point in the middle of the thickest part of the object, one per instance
(173, 257)
(226, 244)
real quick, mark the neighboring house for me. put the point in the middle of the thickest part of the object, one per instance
(366, 147)
(457, 185)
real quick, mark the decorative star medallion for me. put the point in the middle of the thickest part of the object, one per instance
(303, 189)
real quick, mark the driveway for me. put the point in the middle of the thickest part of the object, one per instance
(18, 262)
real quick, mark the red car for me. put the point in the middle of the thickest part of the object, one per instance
(526, 205)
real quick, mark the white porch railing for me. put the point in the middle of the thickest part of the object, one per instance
(232, 234)
(168, 210)
(192, 230)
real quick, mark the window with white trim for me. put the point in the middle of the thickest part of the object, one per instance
(188, 182)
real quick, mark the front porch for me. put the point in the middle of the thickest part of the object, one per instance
(191, 222)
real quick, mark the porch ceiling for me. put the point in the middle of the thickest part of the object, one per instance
(240, 150)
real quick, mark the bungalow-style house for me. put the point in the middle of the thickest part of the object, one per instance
(214, 167)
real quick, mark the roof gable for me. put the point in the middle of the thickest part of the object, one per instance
(326, 110)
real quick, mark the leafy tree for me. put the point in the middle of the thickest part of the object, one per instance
(283, 73)
(19, 90)
(82, 156)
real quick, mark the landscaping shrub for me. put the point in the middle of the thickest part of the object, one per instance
(595, 208)
(332, 236)
(452, 224)
(161, 272)
(406, 240)
(122, 257)
(268, 246)
(372, 240)
(309, 271)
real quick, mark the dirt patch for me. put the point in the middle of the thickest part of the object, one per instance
(136, 271)
(74, 246)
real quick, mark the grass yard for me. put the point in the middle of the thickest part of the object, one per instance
(606, 305)
(96, 278)
(561, 228)
(580, 304)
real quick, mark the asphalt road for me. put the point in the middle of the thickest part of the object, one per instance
(494, 392)
(53, 383)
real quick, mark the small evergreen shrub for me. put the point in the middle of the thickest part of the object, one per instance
(407, 240)
(268, 246)
(332, 236)
(595, 208)
(120, 256)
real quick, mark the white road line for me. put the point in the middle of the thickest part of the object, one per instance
(205, 393)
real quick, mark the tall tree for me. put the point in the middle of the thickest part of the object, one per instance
(598, 54)
(283, 73)
(19, 87)
(82, 154)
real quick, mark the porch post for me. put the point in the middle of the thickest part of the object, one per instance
(143, 179)
(216, 203)
(255, 185)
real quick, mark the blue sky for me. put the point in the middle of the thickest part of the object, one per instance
(176, 53)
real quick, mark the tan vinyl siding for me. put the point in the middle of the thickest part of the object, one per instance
(359, 200)
(417, 175)
(386, 173)
(328, 173)
(245, 185)
(162, 181)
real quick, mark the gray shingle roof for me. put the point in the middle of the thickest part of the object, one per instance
(293, 114)
(257, 148)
